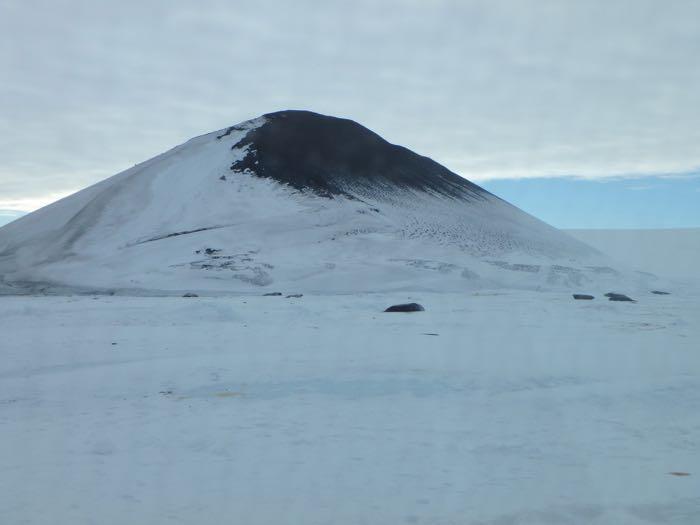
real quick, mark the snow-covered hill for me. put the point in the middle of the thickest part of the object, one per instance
(294, 201)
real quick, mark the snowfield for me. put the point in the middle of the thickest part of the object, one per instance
(488, 408)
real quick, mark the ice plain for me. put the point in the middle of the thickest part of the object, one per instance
(503, 407)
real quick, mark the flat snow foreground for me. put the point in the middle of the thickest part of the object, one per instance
(500, 409)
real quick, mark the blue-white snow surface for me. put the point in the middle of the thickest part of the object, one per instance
(500, 408)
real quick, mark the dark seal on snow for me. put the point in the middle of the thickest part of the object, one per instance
(409, 307)
(583, 297)
(659, 292)
(618, 297)
(332, 156)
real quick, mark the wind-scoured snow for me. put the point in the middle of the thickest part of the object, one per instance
(524, 408)
(243, 210)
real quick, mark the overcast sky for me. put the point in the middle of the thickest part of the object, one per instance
(492, 89)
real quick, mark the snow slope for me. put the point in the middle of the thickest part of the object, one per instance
(290, 200)
(516, 408)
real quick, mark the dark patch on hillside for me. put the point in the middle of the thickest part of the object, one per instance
(174, 234)
(332, 156)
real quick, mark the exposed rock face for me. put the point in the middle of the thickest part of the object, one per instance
(583, 297)
(408, 307)
(332, 156)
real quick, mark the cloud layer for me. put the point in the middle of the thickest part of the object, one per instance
(492, 89)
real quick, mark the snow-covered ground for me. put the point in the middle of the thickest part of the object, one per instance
(488, 408)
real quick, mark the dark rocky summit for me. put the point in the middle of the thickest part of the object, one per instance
(409, 307)
(332, 156)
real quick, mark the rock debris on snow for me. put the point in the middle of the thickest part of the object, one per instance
(612, 296)
(408, 307)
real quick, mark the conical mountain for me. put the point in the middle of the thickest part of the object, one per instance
(294, 201)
